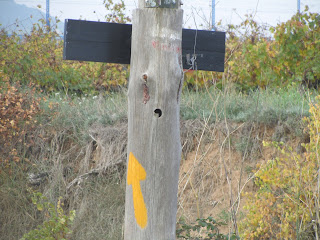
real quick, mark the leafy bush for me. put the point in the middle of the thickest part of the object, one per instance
(260, 59)
(248, 51)
(56, 226)
(116, 12)
(37, 58)
(261, 56)
(286, 206)
(18, 111)
(256, 56)
(297, 49)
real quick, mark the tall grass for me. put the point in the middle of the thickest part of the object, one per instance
(77, 135)
(269, 106)
(262, 106)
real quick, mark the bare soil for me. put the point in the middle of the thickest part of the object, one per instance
(221, 167)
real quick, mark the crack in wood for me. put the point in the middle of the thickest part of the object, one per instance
(146, 96)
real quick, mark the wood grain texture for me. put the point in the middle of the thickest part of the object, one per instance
(153, 120)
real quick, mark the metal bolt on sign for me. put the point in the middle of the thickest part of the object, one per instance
(161, 3)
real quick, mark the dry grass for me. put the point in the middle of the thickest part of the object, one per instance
(82, 151)
(215, 174)
(16, 215)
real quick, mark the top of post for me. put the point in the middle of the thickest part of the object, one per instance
(173, 4)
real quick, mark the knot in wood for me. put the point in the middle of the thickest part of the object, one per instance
(145, 77)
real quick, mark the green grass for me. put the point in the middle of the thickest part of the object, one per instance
(78, 114)
(264, 106)
(261, 106)
(17, 213)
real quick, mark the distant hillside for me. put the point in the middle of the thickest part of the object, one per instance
(15, 17)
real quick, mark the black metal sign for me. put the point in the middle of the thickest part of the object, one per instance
(111, 42)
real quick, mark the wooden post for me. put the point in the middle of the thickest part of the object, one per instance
(156, 77)
(155, 83)
(154, 148)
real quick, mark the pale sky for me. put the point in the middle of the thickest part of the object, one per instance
(197, 12)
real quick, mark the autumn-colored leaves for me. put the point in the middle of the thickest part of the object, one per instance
(18, 112)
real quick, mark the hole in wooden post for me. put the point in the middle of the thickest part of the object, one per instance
(145, 77)
(158, 112)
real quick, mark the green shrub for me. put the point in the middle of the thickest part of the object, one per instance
(288, 53)
(36, 58)
(260, 56)
(286, 205)
(297, 49)
(56, 226)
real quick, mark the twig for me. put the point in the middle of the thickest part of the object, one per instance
(95, 171)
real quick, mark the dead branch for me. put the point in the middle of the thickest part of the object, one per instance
(93, 172)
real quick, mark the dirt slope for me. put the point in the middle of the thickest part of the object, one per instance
(218, 171)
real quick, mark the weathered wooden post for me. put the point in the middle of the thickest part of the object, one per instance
(156, 76)
(154, 148)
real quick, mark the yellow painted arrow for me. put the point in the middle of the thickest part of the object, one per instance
(136, 173)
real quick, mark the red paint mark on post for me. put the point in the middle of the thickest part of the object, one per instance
(166, 47)
(155, 43)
